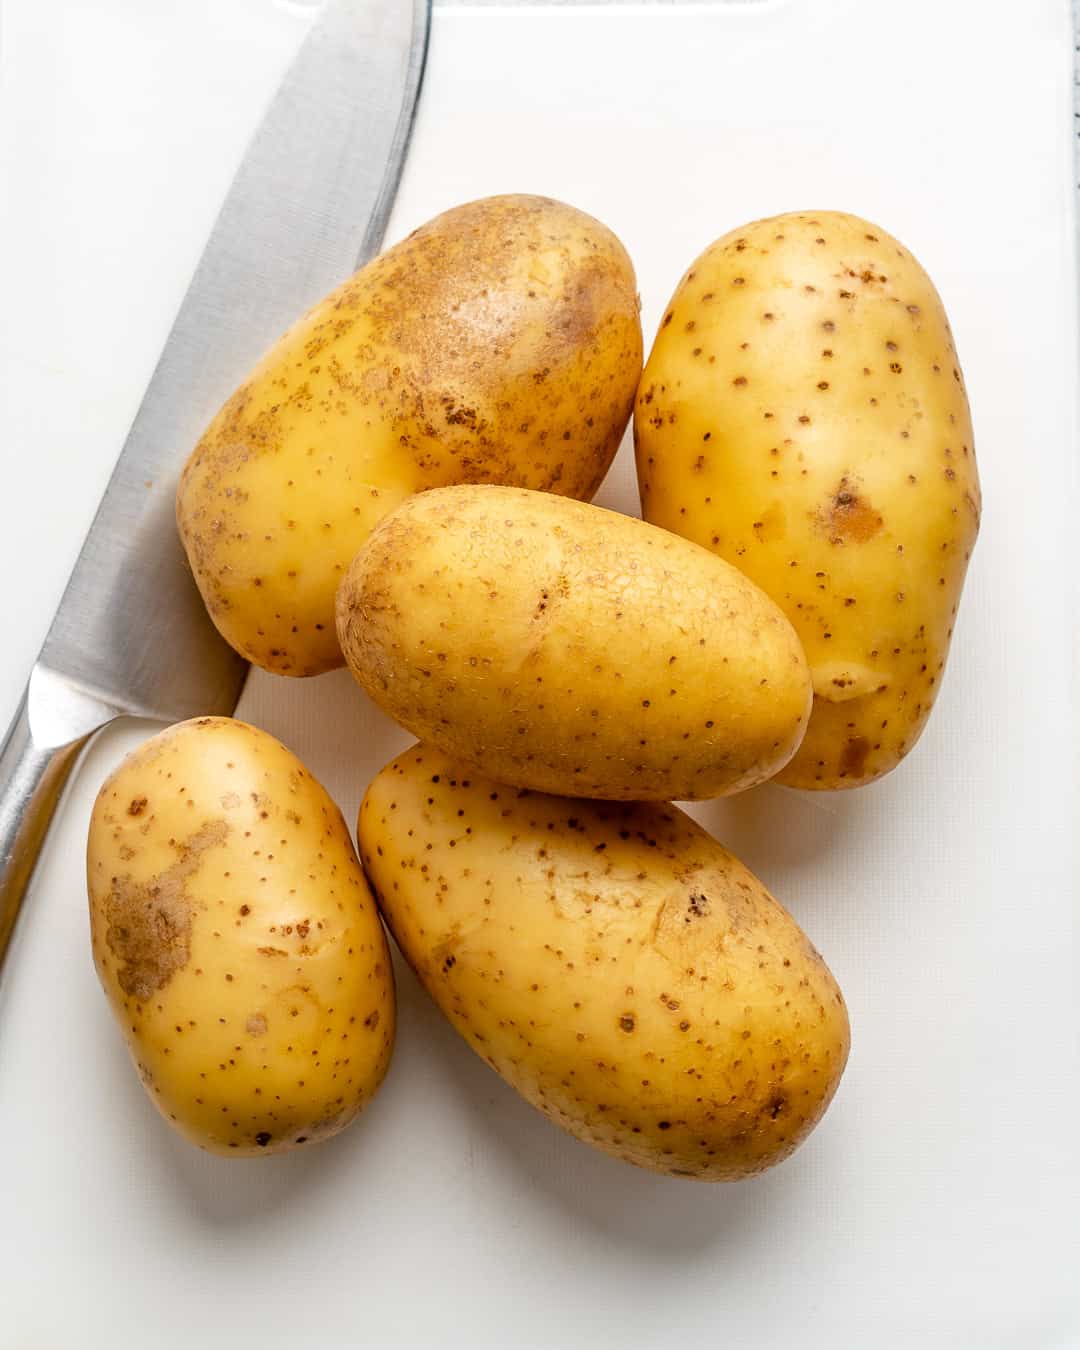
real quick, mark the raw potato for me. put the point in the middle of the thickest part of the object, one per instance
(802, 413)
(237, 940)
(499, 343)
(626, 974)
(559, 646)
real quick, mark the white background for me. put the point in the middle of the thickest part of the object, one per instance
(936, 1205)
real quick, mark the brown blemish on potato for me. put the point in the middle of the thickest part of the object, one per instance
(853, 758)
(256, 1024)
(697, 906)
(847, 517)
(137, 806)
(149, 923)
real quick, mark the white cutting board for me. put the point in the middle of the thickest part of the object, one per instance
(936, 1205)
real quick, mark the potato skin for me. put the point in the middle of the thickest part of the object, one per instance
(558, 646)
(802, 413)
(627, 975)
(237, 940)
(501, 342)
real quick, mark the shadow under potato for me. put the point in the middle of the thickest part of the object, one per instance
(234, 1194)
(515, 1150)
(789, 837)
(779, 833)
(331, 724)
(503, 1146)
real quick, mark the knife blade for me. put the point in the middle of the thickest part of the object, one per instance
(309, 204)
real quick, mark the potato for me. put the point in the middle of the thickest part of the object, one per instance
(499, 343)
(622, 971)
(802, 413)
(237, 940)
(558, 646)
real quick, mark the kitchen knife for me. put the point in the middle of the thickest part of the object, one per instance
(309, 203)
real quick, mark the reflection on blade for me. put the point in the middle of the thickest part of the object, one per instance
(310, 199)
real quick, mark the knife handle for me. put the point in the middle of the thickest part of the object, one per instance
(34, 769)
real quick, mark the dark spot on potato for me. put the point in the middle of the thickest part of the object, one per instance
(263, 1138)
(149, 923)
(853, 758)
(847, 517)
(137, 806)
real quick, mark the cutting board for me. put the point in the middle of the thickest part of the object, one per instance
(936, 1203)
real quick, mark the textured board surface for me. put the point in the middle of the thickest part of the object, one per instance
(935, 1205)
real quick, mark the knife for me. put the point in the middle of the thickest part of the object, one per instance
(308, 205)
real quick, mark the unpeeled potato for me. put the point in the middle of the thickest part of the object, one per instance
(558, 646)
(498, 343)
(802, 414)
(237, 941)
(617, 966)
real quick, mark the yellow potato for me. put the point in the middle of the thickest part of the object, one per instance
(499, 343)
(802, 414)
(237, 940)
(558, 646)
(622, 971)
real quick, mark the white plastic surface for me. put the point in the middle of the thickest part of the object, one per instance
(936, 1205)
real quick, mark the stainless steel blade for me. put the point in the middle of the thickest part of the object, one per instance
(310, 200)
